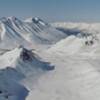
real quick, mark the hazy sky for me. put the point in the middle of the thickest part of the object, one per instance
(53, 10)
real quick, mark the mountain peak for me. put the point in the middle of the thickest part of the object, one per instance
(36, 20)
(12, 18)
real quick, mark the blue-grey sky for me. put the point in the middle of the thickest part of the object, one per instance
(53, 10)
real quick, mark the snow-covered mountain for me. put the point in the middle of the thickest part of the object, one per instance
(30, 33)
(77, 72)
(58, 61)
(17, 66)
(83, 37)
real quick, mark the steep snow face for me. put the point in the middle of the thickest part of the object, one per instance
(20, 68)
(73, 71)
(76, 59)
(37, 21)
(77, 72)
(33, 33)
(24, 60)
(10, 38)
(44, 31)
(10, 89)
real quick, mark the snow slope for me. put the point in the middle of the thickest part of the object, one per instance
(17, 67)
(30, 34)
(20, 67)
(77, 73)
(67, 70)
(74, 78)
(24, 61)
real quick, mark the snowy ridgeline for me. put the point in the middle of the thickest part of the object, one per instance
(31, 33)
(77, 67)
(49, 62)
(17, 65)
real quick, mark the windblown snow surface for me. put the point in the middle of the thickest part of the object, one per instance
(41, 61)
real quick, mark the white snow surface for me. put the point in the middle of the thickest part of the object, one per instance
(30, 34)
(42, 61)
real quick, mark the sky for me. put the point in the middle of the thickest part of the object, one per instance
(53, 10)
